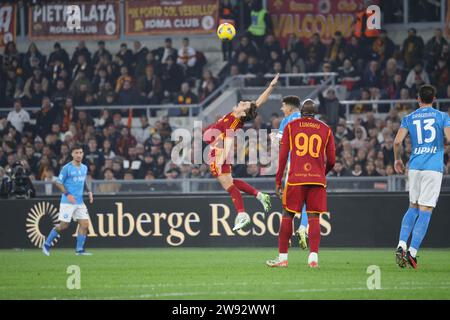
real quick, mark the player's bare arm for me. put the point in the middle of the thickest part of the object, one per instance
(282, 160)
(447, 134)
(266, 94)
(89, 192)
(399, 166)
(63, 190)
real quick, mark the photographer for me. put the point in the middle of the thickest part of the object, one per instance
(17, 184)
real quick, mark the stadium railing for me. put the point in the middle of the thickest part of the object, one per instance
(266, 184)
(391, 103)
(195, 109)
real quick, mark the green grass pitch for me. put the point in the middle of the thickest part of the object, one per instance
(185, 273)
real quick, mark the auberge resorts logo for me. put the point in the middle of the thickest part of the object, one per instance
(36, 213)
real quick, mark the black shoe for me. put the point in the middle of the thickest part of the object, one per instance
(412, 262)
(400, 257)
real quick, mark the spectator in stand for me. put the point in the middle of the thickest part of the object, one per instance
(143, 132)
(226, 13)
(434, 48)
(82, 65)
(440, 75)
(383, 47)
(271, 44)
(372, 77)
(37, 78)
(33, 54)
(330, 108)
(207, 84)
(261, 24)
(163, 53)
(11, 87)
(109, 186)
(127, 95)
(348, 75)
(339, 170)
(18, 117)
(45, 118)
(81, 49)
(172, 77)
(126, 55)
(294, 59)
(417, 75)
(139, 54)
(337, 44)
(60, 55)
(149, 87)
(124, 76)
(101, 50)
(187, 56)
(316, 51)
(186, 96)
(246, 46)
(412, 49)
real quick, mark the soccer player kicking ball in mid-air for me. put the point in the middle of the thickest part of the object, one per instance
(308, 141)
(290, 107)
(72, 181)
(426, 127)
(220, 138)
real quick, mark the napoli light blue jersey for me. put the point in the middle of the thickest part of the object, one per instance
(426, 128)
(285, 121)
(73, 179)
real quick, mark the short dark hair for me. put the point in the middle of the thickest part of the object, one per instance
(76, 146)
(293, 101)
(251, 112)
(427, 93)
(309, 108)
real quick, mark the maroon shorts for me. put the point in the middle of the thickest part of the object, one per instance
(226, 169)
(315, 196)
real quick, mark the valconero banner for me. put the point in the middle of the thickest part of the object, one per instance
(304, 18)
(165, 17)
(354, 220)
(7, 23)
(83, 20)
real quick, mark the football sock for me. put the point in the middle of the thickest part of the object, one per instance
(284, 235)
(245, 187)
(237, 198)
(314, 234)
(53, 234)
(81, 238)
(407, 226)
(304, 219)
(283, 256)
(419, 231)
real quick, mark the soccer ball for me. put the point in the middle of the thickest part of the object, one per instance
(226, 32)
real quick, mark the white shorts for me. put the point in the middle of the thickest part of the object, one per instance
(424, 187)
(68, 211)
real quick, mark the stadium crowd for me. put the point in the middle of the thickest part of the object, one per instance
(370, 69)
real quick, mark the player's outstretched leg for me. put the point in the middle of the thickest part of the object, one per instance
(283, 241)
(262, 197)
(418, 234)
(242, 219)
(56, 231)
(301, 231)
(409, 219)
(314, 239)
(83, 226)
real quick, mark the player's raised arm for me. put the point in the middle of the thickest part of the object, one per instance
(399, 166)
(266, 94)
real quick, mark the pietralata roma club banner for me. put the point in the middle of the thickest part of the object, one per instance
(306, 17)
(98, 20)
(165, 17)
(7, 23)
